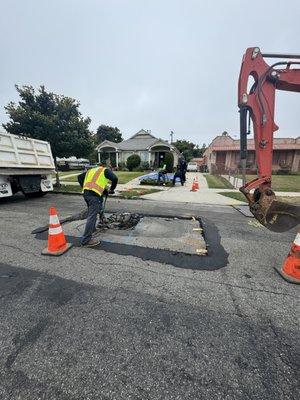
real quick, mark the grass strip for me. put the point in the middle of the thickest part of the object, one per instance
(217, 182)
(239, 196)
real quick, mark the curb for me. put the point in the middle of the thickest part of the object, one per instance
(112, 197)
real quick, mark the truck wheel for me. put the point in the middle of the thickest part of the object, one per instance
(35, 194)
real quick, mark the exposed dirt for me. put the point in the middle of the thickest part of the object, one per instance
(120, 221)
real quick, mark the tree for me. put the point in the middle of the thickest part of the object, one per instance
(186, 148)
(198, 152)
(183, 145)
(105, 132)
(189, 149)
(133, 161)
(51, 117)
(203, 148)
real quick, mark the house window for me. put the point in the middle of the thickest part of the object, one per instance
(144, 156)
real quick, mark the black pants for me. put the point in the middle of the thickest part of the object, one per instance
(161, 175)
(178, 175)
(94, 204)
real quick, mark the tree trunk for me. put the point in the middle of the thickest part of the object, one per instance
(57, 181)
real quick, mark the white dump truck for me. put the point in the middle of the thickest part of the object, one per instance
(26, 165)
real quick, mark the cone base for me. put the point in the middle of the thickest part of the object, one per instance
(46, 252)
(287, 277)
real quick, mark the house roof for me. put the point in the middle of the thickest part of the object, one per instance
(142, 140)
(227, 143)
(107, 143)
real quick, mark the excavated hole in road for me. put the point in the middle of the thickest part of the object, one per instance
(121, 221)
(184, 235)
(174, 240)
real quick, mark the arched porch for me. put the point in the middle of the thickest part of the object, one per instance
(108, 154)
(157, 154)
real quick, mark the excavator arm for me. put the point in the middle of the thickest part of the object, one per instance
(257, 103)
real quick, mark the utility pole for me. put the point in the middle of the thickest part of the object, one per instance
(171, 135)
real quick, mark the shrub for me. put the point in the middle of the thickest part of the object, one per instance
(145, 166)
(141, 168)
(283, 171)
(138, 169)
(169, 161)
(133, 161)
(122, 166)
(93, 157)
(152, 182)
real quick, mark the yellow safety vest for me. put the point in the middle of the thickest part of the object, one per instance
(95, 180)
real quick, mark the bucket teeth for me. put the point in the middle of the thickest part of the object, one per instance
(282, 217)
(278, 217)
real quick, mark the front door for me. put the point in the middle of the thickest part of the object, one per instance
(220, 161)
(160, 158)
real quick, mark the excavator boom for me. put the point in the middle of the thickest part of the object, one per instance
(257, 103)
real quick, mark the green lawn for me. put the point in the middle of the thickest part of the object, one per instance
(124, 176)
(217, 182)
(239, 196)
(68, 188)
(63, 173)
(282, 183)
(70, 179)
(234, 195)
(136, 192)
(128, 194)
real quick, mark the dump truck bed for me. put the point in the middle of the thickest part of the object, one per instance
(22, 153)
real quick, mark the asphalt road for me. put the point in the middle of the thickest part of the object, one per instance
(98, 324)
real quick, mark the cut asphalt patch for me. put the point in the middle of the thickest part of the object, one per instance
(188, 243)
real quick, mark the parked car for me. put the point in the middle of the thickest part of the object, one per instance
(192, 166)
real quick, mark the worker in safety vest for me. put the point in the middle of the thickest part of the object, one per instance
(162, 174)
(95, 183)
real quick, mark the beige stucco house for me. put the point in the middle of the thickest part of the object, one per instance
(223, 154)
(151, 149)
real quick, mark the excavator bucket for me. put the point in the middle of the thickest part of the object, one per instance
(282, 217)
(275, 215)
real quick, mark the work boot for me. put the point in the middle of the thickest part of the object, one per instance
(91, 243)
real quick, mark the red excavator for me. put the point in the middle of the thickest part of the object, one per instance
(257, 104)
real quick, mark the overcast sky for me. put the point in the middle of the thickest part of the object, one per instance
(159, 64)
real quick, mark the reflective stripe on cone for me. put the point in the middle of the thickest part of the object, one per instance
(57, 244)
(290, 269)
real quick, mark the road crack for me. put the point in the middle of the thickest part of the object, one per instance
(30, 337)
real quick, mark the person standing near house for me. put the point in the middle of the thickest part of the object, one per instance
(162, 174)
(183, 168)
(178, 174)
(95, 183)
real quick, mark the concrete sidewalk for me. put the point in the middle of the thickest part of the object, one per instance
(184, 194)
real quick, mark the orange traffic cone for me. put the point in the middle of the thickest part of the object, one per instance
(290, 269)
(57, 244)
(194, 188)
(197, 183)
